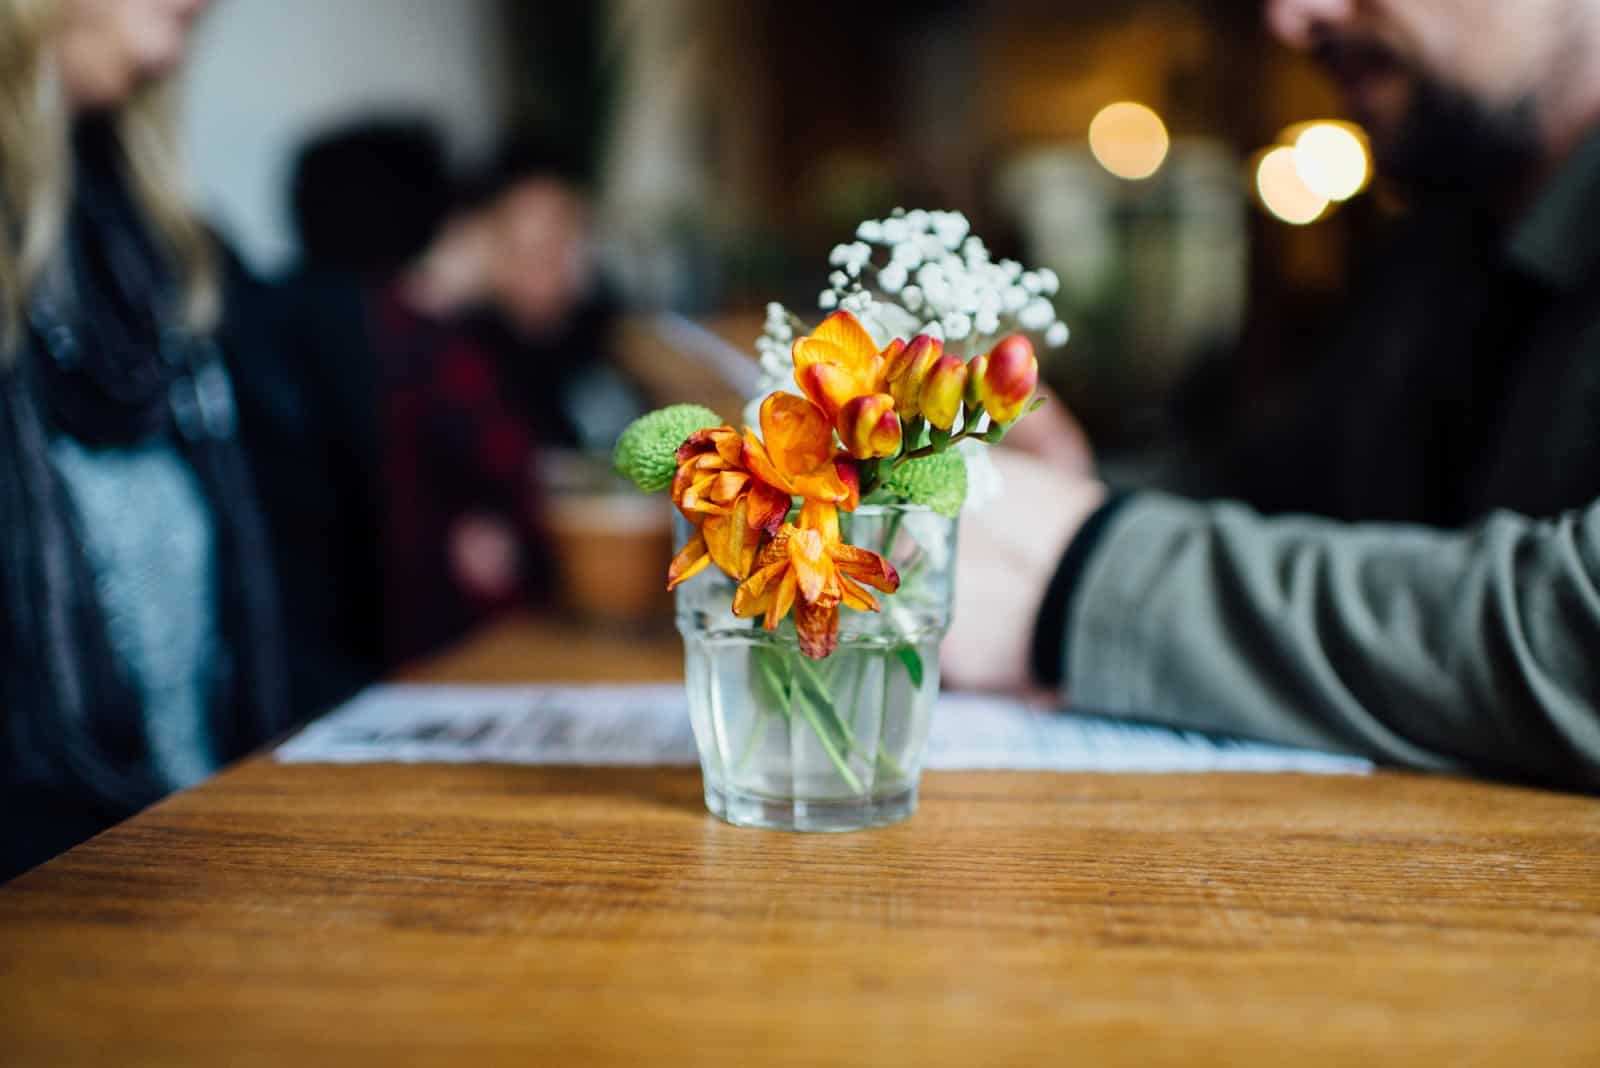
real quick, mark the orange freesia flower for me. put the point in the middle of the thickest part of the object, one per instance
(715, 490)
(737, 488)
(838, 363)
(809, 569)
(795, 453)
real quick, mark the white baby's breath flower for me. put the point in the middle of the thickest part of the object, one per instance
(885, 322)
(932, 248)
(892, 278)
(1037, 314)
(938, 279)
(952, 227)
(776, 313)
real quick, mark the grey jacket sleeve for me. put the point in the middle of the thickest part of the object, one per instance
(1475, 652)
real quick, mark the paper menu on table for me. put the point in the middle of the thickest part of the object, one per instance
(649, 724)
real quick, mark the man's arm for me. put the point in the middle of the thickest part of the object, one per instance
(1477, 651)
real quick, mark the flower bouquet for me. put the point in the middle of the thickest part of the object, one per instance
(816, 572)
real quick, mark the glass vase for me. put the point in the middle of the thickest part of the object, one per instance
(835, 744)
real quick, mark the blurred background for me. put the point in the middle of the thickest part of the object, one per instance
(729, 144)
(553, 216)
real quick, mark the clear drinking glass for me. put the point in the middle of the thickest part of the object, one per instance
(822, 745)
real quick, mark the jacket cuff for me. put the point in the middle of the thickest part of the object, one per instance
(1052, 633)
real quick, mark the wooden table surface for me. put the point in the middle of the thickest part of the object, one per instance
(489, 915)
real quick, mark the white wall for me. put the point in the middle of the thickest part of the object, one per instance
(265, 74)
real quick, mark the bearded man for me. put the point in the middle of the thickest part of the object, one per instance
(1442, 609)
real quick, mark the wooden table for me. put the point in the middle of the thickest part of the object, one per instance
(388, 915)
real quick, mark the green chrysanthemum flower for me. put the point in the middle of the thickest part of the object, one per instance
(938, 482)
(645, 453)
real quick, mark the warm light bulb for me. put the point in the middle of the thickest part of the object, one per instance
(1331, 160)
(1129, 140)
(1284, 193)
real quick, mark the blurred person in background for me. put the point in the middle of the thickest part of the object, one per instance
(397, 472)
(1466, 392)
(552, 318)
(366, 199)
(139, 633)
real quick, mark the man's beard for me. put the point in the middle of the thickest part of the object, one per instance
(1447, 141)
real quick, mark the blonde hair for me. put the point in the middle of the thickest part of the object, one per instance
(35, 172)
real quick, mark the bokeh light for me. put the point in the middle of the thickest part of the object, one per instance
(1331, 160)
(1129, 140)
(1283, 192)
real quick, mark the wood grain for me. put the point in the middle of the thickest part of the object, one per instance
(495, 915)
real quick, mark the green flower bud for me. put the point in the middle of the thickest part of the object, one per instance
(646, 451)
(937, 482)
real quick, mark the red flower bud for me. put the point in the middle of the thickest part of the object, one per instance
(942, 391)
(1008, 378)
(906, 372)
(869, 427)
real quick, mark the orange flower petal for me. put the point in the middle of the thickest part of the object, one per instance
(729, 445)
(758, 462)
(812, 567)
(855, 596)
(767, 507)
(726, 486)
(798, 435)
(845, 330)
(776, 551)
(823, 485)
(748, 605)
(829, 386)
(698, 498)
(822, 518)
(865, 565)
(755, 593)
(782, 600)
(818, 628)
(850, 477)
(730, 542)
(698, 442)
(690, 561)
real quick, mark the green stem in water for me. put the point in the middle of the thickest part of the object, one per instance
(839, 764)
